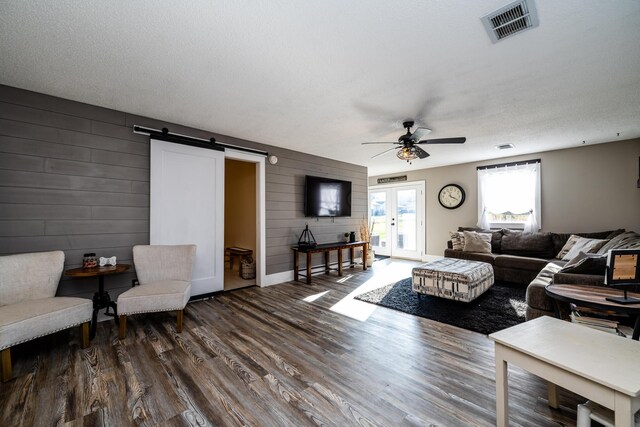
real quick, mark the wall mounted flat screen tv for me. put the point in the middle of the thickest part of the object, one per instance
(326, 197)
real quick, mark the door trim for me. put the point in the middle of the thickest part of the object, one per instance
(261, 256)
(422, 204)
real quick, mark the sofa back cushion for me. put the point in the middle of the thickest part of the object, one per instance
(496, 237)
(537, 245)
(560, 239)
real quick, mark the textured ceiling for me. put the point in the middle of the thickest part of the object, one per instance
(321, 77)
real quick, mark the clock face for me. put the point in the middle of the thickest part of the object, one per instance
(451, 196)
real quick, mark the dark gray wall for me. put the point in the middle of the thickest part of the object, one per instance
(75, 177)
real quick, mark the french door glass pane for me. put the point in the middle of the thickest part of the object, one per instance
(378, 207)
(406, 224)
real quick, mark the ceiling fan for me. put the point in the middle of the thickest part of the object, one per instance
(407, 144)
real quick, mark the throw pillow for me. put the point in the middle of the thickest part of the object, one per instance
(627, 240)
(457, 240)
(496, 237)
(582, 244)
(585, 263)
(567, 246)
(477, 242)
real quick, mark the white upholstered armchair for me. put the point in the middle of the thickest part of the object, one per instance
(28, 306)
(164, 274)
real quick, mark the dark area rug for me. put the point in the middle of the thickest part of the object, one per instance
(501, 306)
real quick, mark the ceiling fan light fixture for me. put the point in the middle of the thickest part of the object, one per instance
(407, 153)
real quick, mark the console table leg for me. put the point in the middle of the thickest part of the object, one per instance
(326, 262)
(339, 262)
(364, 256)
(636, 329)
(296, 266)
(308, 268)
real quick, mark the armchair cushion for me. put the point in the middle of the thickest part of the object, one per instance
(165, 295)
(26, 320)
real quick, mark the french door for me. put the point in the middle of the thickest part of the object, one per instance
(396, 213)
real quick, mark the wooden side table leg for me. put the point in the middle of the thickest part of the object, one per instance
(7, 372)
(502, 390)
(296, 266)
(552, 392)
(339, 262)
(623, 412)
(326, 262)
(364, 256)
(352, 251)
(308, 268)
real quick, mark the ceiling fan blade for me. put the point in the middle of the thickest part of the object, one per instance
(421, 153)
(419, 133)
(380, 142)
(460, 140)
(385, 151)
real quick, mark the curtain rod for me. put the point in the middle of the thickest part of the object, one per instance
(501, 165)
(210, 144)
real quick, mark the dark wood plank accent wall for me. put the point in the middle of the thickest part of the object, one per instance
(75, 177)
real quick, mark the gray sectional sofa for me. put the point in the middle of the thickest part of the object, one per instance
(530, 259)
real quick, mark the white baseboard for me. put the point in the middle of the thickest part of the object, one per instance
(276, 278)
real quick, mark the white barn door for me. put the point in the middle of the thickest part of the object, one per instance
(187, 207)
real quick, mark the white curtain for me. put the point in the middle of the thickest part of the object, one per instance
(514, 189)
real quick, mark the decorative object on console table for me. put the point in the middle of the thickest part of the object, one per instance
(306, 239)
(352, 236)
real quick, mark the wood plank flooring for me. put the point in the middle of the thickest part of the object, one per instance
(267, 357)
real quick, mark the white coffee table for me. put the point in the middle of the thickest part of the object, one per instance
(602, 367)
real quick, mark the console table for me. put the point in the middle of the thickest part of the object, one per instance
(599, 366)
(326, 248)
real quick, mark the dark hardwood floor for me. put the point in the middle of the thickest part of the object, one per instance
(267, 357)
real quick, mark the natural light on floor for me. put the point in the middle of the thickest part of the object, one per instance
(385, 273)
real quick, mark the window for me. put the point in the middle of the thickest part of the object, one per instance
(509, 196)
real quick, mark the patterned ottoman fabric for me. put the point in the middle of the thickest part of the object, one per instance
(452, 278)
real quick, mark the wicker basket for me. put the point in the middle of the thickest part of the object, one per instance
(248, 269)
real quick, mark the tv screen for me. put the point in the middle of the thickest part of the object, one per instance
(327, 197)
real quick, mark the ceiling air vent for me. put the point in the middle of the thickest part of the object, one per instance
(505, 146)
(511, 19)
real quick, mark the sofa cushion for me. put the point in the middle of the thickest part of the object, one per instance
(559, 239)
(477, 242)
(538, 245)
(586, 263)
(580, 244)
(627, 240)
(520, 262)
(496, 237)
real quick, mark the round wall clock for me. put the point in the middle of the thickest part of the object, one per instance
(451, 196)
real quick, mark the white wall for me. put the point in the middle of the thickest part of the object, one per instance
(588, 188)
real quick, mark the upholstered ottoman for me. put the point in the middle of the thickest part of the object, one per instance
(452, 278)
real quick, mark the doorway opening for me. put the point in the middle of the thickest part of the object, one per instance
(240, 219)
(396, 212)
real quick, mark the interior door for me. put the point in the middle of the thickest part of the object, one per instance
(187, 207)
(397, 215)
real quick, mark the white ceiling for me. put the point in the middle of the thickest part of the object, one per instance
(323, 76)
